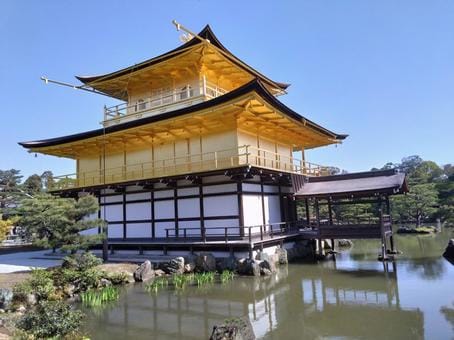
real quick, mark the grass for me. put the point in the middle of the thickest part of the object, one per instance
(180, 281)
(226, 276)
(156, 284)
(97, 298)
(204, 278)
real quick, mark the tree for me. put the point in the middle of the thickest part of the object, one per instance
(55, 222)
(33, 184)
(9, 189)
(417, 205)
(47, 180)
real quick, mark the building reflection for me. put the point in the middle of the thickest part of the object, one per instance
(295, 303)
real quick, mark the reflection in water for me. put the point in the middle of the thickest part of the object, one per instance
(342, 298)
(449, 314)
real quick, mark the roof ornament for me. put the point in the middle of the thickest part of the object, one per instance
(189, 34)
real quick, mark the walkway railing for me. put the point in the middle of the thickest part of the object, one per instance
(166, 98)
(228, 234)
(190, 163)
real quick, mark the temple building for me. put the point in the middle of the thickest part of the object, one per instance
(200, 154)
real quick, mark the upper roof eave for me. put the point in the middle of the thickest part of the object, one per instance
(206, 33)
(255, 86)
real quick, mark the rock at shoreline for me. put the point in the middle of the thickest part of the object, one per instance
(449, 252)
(144, 272)
(174, 266)
(344, 243)
(226, 263)
(6, 297)
(233, 329)
(189, 263)
(282, 255)
(205, 262)
(248, 267)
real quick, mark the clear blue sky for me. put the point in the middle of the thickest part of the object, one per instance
(380, 71)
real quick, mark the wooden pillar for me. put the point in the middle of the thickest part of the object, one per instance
(317, 216)
(330, 213)
(388, 211)
(239, 190)
(202, 213)
(308, 215)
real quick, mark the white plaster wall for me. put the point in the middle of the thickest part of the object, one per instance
(190, 224)
(233, 225)
(111, 199)
(270, 188)
(164, 209)
(115, 231)
(220, 188)
(221, 205)
(272, 209)
(138, 230)
(163, 193)
(188, 191)
(252, 210)
(251, 187)
(113, 212)
(92, 231)
(138, 196)
(189, 207)
(160, 228)
(138, 211)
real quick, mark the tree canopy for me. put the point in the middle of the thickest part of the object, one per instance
(55, 222)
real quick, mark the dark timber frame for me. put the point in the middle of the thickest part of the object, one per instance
(367, 187)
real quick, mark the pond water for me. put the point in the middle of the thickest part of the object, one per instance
(354, 296)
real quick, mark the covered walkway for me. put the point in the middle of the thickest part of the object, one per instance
(373, 187)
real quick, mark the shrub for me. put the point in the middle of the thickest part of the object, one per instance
(81, 262)
(40, 284)
(50, 319)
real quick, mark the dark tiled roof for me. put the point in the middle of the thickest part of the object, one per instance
(206, 33)
(358, 184)
(253, 86)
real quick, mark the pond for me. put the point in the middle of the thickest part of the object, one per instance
(354, 296)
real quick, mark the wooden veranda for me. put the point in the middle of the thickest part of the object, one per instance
(357, 188)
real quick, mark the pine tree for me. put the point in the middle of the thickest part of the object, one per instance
(55, 222)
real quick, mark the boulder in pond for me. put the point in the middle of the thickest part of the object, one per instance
(226, 263)
(205, 262)
(144, 272)
(6, 297)
(344, 243)
(248, 267)
(282, 255)
(174, 266)
(449, 251)
(189, 263)
(233, 329)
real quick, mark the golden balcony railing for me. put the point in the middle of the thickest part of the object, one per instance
(208, 161)
(163, 100)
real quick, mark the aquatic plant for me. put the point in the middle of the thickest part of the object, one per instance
(156, 284)
(97, 298)
(204, 278)
(226, 276)
(179, 281)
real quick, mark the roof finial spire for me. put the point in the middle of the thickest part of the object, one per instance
(190, 34)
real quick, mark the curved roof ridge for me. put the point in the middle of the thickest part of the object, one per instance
(206, 33)
(255, 85)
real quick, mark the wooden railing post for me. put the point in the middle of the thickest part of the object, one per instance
(250, 235)
(225, 235)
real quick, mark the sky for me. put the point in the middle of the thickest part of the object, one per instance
(380, 71)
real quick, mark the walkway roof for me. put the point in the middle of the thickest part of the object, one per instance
(360, 184)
